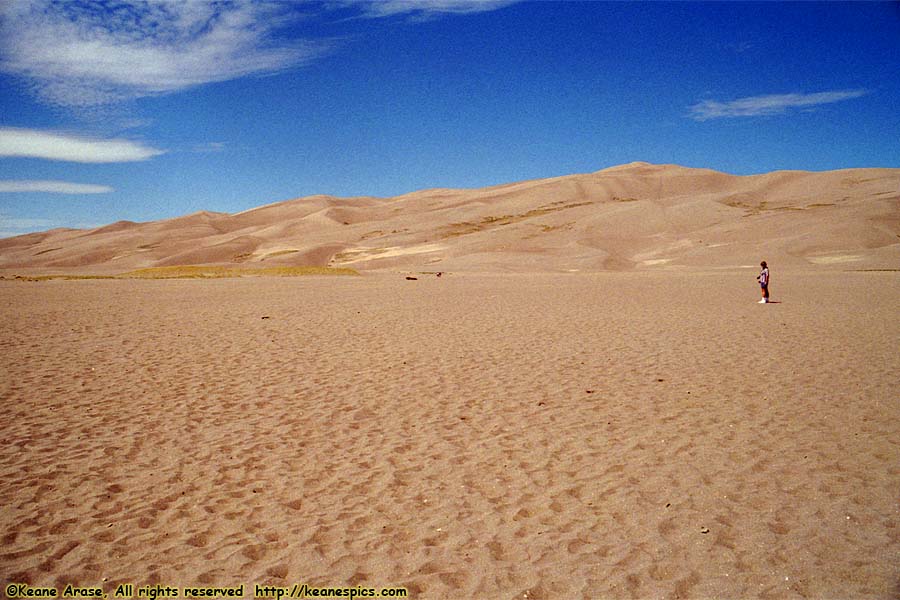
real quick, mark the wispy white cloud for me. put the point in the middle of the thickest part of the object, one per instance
(756, 106)
(51, 187)
(89, 54)
(32, 143)
(80, 54)
(427, 9)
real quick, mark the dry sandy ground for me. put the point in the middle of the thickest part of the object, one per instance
(475, 436)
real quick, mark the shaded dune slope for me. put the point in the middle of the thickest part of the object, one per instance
(635, 216)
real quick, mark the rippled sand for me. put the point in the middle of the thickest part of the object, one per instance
(490, 436)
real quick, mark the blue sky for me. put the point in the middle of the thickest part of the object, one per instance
(146, 110)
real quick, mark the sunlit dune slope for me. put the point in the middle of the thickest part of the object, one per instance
(635, 216)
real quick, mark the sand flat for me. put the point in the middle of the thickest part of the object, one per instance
(649, 435)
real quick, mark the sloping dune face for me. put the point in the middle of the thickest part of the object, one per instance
(635, 216)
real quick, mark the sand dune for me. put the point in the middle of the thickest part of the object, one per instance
(635, 216)
(640, 429)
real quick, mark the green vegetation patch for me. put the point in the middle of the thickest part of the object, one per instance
(356, 254)
(198, 272)
(204, 272)
(491, 222)
(52, 277)
(46, 251)
(855, 181)
(279, 253)
(752, 208)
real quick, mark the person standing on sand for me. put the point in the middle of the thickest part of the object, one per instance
(763, 279)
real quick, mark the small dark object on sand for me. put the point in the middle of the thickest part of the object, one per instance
(412, 278)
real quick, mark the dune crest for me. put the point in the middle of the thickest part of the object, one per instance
(634, 216)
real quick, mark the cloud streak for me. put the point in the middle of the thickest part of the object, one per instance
(87, 54)
(77, 54)
(31, 143)
(51, 187)
(775, 104)
(427, 9)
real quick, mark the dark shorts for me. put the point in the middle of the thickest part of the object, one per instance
(765, 289)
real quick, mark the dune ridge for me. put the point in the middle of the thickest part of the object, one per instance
(634, 216)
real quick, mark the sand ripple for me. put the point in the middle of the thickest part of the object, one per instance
(612, 435)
